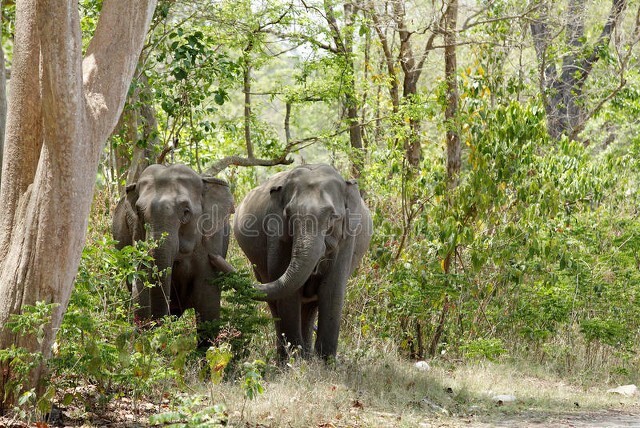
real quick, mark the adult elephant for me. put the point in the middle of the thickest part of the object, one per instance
(189, 217)
(305, 231)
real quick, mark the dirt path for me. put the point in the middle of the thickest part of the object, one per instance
(604, 419)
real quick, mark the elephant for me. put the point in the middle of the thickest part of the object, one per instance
(189, 216)
(305, 231)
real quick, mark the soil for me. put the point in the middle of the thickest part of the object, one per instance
(123, 417)
(608, 419)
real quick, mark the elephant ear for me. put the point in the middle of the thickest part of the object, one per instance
(128, 227)
(217, 205)
(353, 205)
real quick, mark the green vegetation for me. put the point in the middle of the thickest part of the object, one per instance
(529, 264)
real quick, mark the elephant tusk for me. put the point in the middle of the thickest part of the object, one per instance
(220, 263)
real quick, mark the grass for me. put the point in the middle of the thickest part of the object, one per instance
(378, 388)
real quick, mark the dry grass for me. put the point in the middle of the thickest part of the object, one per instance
(381, 390)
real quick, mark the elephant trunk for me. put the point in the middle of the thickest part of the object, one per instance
(308, 247)
(163, 256)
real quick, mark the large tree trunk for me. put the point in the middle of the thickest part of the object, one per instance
(61, 111)
(351, 99)
(3, 97)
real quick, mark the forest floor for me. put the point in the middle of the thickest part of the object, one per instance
(369, 392)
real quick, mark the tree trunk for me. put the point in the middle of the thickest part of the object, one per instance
(246, 88)
(351, 99)
(562, 93)
(61, 111)
(451, 111)
(411, 72)
(138, 112)
(344, 48)
(453, 141)
(143, 156)
(129, 132)
(411, 64)
(3, 97)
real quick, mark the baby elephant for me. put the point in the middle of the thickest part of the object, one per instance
(189, 216)
(305, 231)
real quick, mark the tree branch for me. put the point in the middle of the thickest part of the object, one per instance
(224, 163)
(468, 24)
(335, 30)
(23, 135)
(388, 56)
(305, 38)
(587, 64)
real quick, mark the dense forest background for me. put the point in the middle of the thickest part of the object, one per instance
(494, 141)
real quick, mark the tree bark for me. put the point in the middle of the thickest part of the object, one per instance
(142, 156)
(562, 92)
(246, 88)
(451, 110)
(411, 65)
(344, 48)
(453, 141)
(129, 133)
(61, 111)
(3, 97)
(138, 113)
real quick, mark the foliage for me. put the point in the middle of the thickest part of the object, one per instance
(532, 255)
(240, 320)
(197, 85)
(18, 363)
(490, 349)
(191, 413)
(218, 358)
(99, 344)
(252, 383)
(539, 246)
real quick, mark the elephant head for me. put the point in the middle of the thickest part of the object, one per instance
(319, 213)
(181, 210)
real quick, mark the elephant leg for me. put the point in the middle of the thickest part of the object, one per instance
(290, 331)
(285, 312)
(309, 312)
(308, 315)
(258, 275)
(331, 300)
(277, 323)
(204, 298)
(278, 257)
